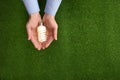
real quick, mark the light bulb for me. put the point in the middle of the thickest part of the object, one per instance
(41, 33)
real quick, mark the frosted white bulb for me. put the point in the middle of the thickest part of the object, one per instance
(41, 33)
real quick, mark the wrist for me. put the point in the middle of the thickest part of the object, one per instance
(48, 16)
(35, 15)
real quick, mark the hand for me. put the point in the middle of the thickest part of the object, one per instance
(52, 28)
(31, 26)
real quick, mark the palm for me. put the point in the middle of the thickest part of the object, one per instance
(51, 25)
(34, 34)
(50, 37)
(32, 30)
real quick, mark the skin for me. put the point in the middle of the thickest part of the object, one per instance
(51, 26)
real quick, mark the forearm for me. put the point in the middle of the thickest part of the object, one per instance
(52, 6)
(31, 6)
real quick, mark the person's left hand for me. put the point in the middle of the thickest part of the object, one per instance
(52, 28)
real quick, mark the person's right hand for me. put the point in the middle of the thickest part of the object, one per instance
(31, 26)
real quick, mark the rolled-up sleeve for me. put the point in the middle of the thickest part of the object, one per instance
(52, 6)
(31, 6)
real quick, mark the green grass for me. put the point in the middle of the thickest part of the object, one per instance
(88, 45)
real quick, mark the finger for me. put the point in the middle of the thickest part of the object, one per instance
(29, 37)
(29, 33)
(43, 45)
(36, 43)
(55, 33)
(49, 41)
(40, 46)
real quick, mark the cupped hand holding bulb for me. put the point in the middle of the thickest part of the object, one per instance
(51, 29)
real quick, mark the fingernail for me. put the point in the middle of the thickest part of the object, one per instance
(29, 38)
(38, 48)
(47, 46)
(43, 48)
(55, 38)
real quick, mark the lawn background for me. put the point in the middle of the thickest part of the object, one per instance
(88, 45)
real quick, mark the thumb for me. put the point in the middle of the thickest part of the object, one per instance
(29, 33)
(55, 33)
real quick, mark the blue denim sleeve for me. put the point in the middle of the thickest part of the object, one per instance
(31, 6)
(52, 6)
